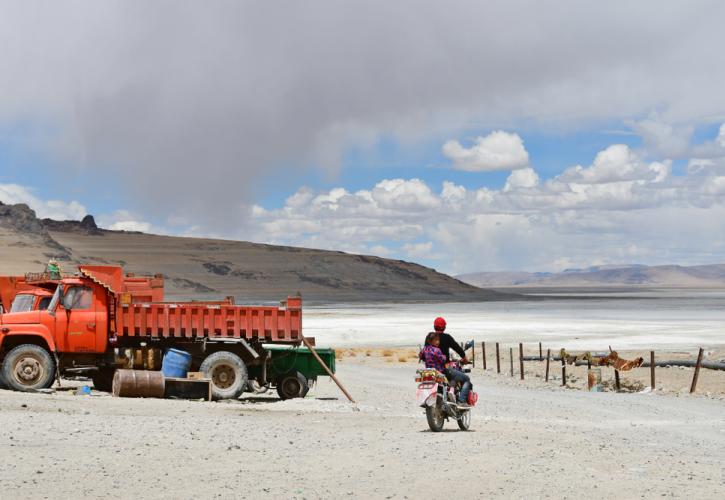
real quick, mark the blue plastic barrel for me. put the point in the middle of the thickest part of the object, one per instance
(176, 363)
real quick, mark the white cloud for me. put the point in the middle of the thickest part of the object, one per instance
(124, 220)
(52, 209)
(497, 151)
(418, 250)
(131, 225)
(523, 178)
(617, 163)
(380, 250)
(664, 139)
(405, 195)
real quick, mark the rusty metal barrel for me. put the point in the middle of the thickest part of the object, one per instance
(138, 384)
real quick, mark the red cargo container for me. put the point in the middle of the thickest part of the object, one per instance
(199, 319)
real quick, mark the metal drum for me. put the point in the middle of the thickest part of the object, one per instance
(138, 384)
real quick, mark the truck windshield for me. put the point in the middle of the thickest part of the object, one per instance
(23, 303)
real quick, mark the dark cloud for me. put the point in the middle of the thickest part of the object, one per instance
(191, 103)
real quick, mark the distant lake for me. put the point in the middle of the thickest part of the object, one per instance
(640, 319)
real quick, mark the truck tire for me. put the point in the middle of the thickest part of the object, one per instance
(292, 385)
(28, 367)
(3, 385)
(228, 374)
(103, 379)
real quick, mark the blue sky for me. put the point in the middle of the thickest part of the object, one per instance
(466, 137)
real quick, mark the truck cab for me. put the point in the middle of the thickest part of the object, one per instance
(45, 332)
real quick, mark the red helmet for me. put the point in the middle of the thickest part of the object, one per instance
(439, 324)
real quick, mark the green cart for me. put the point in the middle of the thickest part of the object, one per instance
(291, 370)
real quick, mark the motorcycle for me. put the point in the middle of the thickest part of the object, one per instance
(440, 399)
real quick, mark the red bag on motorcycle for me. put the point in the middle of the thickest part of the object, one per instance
(472, 398)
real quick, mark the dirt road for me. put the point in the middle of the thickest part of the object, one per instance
(525, 443)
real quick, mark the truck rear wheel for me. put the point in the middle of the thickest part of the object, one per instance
(28, 367)
(292, 385)
(228, 374)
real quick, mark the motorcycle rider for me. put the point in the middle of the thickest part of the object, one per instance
(448, 342)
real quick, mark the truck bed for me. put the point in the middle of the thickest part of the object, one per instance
(189, 320)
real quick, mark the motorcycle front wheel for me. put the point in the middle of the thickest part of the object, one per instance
(435, 417)
(464, 422)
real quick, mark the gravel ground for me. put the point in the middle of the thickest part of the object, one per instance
(526, 441)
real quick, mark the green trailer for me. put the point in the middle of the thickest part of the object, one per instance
(291, 370)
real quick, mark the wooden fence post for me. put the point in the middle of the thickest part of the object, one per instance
(521, 360)
(483, 349)
(548, 357)
(652, 369)
(511, 359)
(693, 387)
(498, 360)
(563, 370)
(541, 355)
(473, 355)
(617, 385)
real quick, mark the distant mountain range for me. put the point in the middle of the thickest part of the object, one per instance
(712, 275)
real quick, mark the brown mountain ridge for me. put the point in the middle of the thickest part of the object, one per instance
(204, 268)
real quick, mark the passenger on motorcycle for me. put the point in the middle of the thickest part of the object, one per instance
(433, 357)
(431, 354)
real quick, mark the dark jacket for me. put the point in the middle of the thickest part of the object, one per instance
(447, 343)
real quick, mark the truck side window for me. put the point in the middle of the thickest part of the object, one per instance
(78, 297)
(23, 303)
(44, 303)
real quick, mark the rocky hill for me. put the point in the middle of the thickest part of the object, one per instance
(712, 275)
(203, 268)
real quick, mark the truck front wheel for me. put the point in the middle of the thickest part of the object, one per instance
(228, 374)
(28, 367)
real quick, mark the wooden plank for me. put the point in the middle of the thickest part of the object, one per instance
(693, 387)
(184, 388)
(498, 360)
(521, 360)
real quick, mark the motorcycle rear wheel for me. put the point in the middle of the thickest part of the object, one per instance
(464, 422)
(435, 417)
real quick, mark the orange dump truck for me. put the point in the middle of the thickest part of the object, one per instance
(101, 319)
